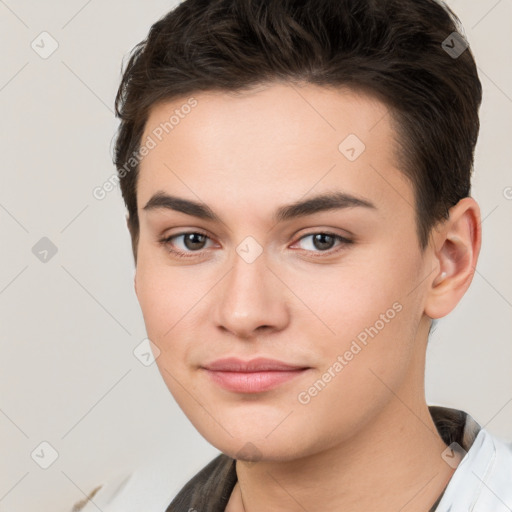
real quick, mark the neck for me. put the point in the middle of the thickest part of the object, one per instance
(395, 462)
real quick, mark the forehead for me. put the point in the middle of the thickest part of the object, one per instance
(274, 144)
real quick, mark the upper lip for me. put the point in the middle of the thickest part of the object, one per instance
(260, 364)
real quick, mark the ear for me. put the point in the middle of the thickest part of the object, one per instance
(456, 248)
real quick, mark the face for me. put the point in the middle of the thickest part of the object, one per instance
(335, 292)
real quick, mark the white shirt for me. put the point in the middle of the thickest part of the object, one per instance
(482, 481)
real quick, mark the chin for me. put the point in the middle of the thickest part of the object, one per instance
(251, 445)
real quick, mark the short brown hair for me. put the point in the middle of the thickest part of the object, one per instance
(395, 50)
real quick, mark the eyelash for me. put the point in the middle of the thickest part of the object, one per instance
(180, 254)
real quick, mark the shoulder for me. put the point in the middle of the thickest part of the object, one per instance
(483, 479)
(209, 490)
(500, 467)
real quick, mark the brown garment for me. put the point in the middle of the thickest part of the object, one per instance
(210, 489)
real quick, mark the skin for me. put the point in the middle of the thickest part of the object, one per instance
(367, 437)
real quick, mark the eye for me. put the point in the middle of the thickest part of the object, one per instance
(324, 241)
(193, 242)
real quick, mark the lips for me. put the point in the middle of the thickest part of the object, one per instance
(254, 376)
(260, 364)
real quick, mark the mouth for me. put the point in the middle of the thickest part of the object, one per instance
(253, 376)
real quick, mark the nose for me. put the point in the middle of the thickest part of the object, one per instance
(251, 299)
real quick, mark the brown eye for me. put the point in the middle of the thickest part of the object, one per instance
(323, 242)
(192, 242)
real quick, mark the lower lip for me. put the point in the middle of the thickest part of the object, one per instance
(253, 382)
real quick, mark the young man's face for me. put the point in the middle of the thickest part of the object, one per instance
(352, 313)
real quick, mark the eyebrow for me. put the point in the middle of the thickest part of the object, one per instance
(301, 208)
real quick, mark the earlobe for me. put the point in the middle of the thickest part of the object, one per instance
(458, 246)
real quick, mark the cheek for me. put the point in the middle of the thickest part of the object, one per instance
(345, 300)
(166, 297)
(165, 302)
(372, 318)
(171, 301)
(368, 360)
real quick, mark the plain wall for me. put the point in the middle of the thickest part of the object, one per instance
(69, 325)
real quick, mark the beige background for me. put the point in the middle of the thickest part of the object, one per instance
(68, 374)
